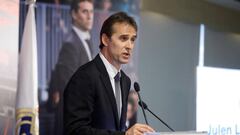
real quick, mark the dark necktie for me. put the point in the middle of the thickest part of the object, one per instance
(118, 92)
(90, 46)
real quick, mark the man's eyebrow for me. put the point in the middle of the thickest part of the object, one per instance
(127, 35)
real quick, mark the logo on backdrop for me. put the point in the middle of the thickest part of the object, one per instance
(26, 119)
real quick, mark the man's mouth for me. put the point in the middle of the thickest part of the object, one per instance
(126, 54)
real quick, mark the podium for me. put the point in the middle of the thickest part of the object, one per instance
(178, 133)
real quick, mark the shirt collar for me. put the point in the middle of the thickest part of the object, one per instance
(112, 71)
(82, 34)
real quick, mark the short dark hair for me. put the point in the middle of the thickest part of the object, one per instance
(120, 17)
(74, 4)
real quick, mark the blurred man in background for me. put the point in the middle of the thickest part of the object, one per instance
(132, 108)
(77, 49)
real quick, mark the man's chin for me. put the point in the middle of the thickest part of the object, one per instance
(89, 27)
(125, 61)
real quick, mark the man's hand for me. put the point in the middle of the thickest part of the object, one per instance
(139, 129)
(56, 97)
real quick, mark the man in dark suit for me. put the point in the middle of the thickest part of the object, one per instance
(76, 51)
(95, 99)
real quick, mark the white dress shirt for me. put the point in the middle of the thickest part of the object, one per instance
(84, 35)
(112, 72)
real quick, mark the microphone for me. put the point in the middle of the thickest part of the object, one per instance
(137, 89)
(144, 106)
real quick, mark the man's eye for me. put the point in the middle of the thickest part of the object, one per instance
(84, 11)
(123, 38)
(133, 39)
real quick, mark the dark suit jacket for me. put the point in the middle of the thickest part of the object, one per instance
(89, 102)
(72, 55)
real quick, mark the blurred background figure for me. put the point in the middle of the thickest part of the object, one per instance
(76, 51)
(132, 108)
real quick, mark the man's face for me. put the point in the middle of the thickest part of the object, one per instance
(120, 44)
(129, 111)
(83, 17)
(132, 104)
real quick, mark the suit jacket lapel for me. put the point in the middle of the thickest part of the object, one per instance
(109, 90)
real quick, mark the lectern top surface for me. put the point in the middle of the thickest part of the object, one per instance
(178, 133)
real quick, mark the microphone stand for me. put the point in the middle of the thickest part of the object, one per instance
(144, 114)
(144, 106)
(160, 120)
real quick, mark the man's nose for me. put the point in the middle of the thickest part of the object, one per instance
(130, 45)
(89, 15)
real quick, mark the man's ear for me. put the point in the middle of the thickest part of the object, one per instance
(73, 14)
(105, 40)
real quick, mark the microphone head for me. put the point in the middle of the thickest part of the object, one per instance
(136, 87)
(144, 104)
